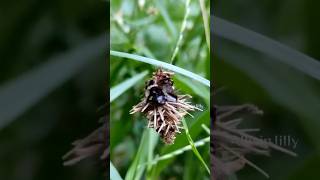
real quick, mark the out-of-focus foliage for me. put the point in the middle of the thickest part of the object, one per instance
(32, 34)
(289, 98)
(151, 29)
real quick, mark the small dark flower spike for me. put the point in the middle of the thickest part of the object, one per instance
(162, 107)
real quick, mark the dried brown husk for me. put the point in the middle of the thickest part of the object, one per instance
(164, 118)
(94, 145)
(230, 145)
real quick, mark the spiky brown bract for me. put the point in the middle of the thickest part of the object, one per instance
(230, 144)
(94, 145)
(162, 107)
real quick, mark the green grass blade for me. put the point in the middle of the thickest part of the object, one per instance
(135, 172)
(161, 64)
(164, 13)
(153, 140)
(194, 130)
(200, 91)
(23, 92)
(205, 128)
(131, 173)
(114, 174)
(178, 151)
(122, 87)
(182, 29)
(268, 46)
(205, 19)
(194, 149)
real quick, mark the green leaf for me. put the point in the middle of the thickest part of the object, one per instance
(289, 94)
(166, 17)
(153, 140)
(23, 92)
(122, 87)
(182, 30)
(163, 65)
(266, 45)
(135, 171)
(205, 19)
(194, 149)
(200, 91)
(181, 140)
(114, 174)
(178, 151)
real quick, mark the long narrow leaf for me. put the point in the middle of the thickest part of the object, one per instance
(114, 174)
(194, 149)
(177, 152)
(201, 91)
(166, 17)
(134, 172)
(194, 131)
(266, 45)
(182, 30)
(163, 65)
(205, 19)
(121, 88)
(20, 94)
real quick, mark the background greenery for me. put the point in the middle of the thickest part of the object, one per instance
(281, 87)
(152, 30)
(52, 81)
(33, 32)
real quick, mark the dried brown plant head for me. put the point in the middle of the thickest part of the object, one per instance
(161, 105)
(94, 145)
(231, 144)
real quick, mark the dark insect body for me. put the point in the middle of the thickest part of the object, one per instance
(156, 96)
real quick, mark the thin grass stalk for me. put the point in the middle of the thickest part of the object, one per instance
(166, 17)
(194, 149)
(177, 152)
(162, 64)
(182, 30)
(205, 22)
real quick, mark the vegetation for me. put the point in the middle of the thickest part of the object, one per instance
(145, 35)
(266, 53)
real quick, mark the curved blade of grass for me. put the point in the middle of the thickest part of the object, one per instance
(194, 149)
(164, 13)
(182, 29)
(205, 128)
(201, 91)
(177, 152)
(140, 156)
(181, 140)
(268, 46)
(287, 94)
(122, 87)
(163, 65)
(153, 140)
(205, 19)
(114, 174)
(23, 92)
(135, 172)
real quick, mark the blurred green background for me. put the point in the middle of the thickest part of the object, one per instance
(289, 98)
(151, 29)
(34, 34)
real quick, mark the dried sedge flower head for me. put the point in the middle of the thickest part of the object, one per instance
(230, 144)
(163, 108)
(94, 145)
